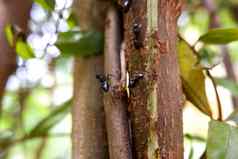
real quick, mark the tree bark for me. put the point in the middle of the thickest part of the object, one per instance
(88, 133)
(11, 12)
(155, 103)
(115, 101)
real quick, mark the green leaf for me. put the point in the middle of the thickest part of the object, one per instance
(230, 85)
(193, 79)
(23, 49)
(43, 127)
(46, 4)
(72, 21)
(76, 43)
(9, 33)
(222, 141)
(220, 36)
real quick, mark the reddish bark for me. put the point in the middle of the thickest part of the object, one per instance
(170, 131)
(161, 75)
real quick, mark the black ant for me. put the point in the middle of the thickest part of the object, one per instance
(135, 79)
(136, 39)
(104, 82)
(125, 5)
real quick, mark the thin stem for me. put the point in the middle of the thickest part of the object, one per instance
(217, 96)
(115, 100)
(26, 138)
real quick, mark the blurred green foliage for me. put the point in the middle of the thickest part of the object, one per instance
(46, 4)
(220, 36)
(222, 141)
(23, 49)
(77, 43)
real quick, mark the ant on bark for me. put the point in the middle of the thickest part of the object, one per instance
(136, 29)
(124, 5)
(132, 81)
(104, 82)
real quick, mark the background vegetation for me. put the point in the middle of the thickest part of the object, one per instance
(35, 117)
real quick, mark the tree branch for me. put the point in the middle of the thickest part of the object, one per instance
(115, 100)
(89, 132)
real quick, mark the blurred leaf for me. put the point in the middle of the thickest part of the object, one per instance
(9, 33)
(220, 36)
(192, 137)
(230, 85)
(207, 57)
(78, 43)
(43, 127)
(193, 79)
(233, 116)
(6, 138)
(46, 4)
(23, 49)
(72, 21)
(222, 141)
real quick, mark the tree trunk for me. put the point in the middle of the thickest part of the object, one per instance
(115, 100)
(11, 12)
(88, 133)
(155, 103)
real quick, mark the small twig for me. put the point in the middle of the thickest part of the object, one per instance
(217, 96)
(26, 138)
(40, 149)
(204, 155)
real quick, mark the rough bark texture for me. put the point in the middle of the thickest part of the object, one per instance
(88, 134)
(169, 85)
(215, 23)
(115, 100)
(155, 103)
(11, 12)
